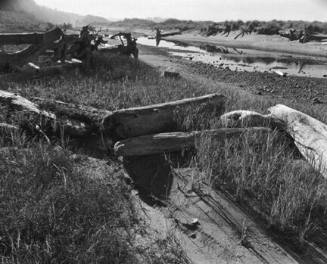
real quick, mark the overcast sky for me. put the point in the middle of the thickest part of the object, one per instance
(216, 10)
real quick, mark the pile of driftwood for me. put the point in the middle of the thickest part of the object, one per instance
(142, 135)
(59, 52)
(26, 63)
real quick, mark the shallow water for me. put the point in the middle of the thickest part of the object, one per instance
(245, 59)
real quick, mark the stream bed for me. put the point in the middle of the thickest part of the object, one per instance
(245, 59)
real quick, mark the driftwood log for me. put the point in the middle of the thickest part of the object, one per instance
(43, 120)
(309, 134)
(17, 102)
(176, 141)
(245, 118)
(138, 121)
(40, 42)
(78, 120)
(86, 114)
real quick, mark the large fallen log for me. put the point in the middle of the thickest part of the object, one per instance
(309, 134)
(30, 38)
(176, 141)
(138, 121)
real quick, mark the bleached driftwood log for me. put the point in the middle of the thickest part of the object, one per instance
(138, 121)
(176, 141)
(309, 134)
(43, 119)
(87, 114)
(20, 103)
(245, 118)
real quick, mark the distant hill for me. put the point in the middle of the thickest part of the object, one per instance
(15, 21)
(90, 19)
(133, 23)
(20, 15)
(13, 18)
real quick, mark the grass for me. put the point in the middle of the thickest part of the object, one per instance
(52, 211)
(261, 172)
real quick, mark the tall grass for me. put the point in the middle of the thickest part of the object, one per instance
(263, 172)
(52, 214)
(55, 209)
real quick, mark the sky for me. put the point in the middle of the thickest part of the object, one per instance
(216, 10)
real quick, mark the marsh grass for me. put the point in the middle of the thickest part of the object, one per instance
(263, 172)
(52, 211)
(52, 214)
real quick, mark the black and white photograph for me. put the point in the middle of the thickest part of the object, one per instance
(163, 132)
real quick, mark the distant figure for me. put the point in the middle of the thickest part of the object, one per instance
(158, 36)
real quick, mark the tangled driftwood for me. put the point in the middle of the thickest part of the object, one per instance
(137, 127)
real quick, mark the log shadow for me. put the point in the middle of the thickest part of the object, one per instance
(152, 176)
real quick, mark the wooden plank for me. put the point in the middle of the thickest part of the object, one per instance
(309, 134)
(138, 121)
(176, 141)
(225, 223)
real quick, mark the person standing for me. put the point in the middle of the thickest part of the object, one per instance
(158, 36)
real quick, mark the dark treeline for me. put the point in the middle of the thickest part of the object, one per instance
(267, 27)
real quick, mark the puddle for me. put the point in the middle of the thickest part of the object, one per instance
(169, 45)
(245, 59)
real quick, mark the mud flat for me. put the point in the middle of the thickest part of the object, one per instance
(272, 43)
(244, 59)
